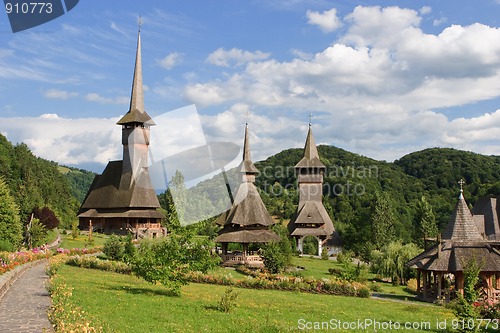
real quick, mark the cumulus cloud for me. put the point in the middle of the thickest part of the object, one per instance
(95, 97)
(380, 86)
(59, 94)
(68, 141)
(170, 60)
(327, 21)
(235, 57)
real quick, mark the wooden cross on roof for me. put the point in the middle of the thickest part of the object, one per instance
(461, 182)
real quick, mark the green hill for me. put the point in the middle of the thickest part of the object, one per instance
(35, 182)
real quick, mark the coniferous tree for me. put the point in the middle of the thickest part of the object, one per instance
(382, 220)
(11, 230)
(426, 221)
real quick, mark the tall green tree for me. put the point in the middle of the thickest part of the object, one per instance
(382, 221)
(11, 229)
(391, 260)
(171, 217)
(425, 219)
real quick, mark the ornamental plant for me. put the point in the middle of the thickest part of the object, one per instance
(169, 260)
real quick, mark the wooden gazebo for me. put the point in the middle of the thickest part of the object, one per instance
(248, 220)
(440, 269)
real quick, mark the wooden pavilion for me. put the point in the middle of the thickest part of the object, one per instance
(122, 199)
(248, 220)
(440, 269)
(311, 217)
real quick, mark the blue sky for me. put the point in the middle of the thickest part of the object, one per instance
(382, 79)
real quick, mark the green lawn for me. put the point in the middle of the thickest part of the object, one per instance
(315, 267)
(128, 304)
(69, 243)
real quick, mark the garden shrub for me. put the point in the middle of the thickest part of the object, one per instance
(228, 301)
(114, 248)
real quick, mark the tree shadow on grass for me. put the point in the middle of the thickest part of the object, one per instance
(402, 298)
(145, 291)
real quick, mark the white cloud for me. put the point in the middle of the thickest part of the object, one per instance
(327, 21)
(425, 10)
(379, 87)
(67, 141)
(95, 97)
(59, 94)
(169, 61)
(237, 57)
(439, 21)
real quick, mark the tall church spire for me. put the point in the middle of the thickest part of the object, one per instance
(137, 97)
(311, 156)
(247, 168)
(136, 113)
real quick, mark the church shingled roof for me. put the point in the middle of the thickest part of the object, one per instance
(461, 226)
(311, 155)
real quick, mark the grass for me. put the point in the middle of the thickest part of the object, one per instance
(69, 243)
(128, 304)
(315, 267)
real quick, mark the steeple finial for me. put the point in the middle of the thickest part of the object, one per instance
(139, 22)
(137, 97)
(310, 118)
(461, 182)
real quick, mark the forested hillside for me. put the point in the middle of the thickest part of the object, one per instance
(79, 180)
(356, 186)
(35, 182)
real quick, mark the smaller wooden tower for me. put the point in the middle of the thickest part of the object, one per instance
(248, 220)
(311, 217)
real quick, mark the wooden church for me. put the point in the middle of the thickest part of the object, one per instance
(122, 198)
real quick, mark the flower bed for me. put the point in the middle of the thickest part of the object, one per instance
(10, 260)
(288, 283)
(77, 251)
(104, 265)
(64, 314)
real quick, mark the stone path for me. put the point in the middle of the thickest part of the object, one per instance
(23, 308)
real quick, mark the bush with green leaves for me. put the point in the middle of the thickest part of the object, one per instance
(114, 248)
(464, 306)
(277, 255)
(36, 233)
(228, 301)
(168, 260)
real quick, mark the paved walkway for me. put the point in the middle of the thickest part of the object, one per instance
(23, 308)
